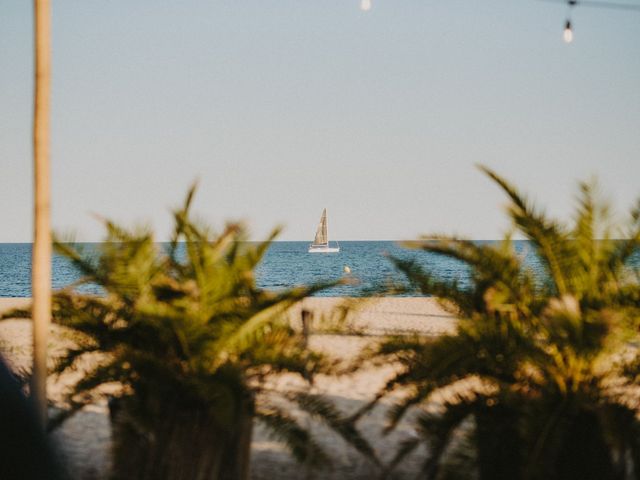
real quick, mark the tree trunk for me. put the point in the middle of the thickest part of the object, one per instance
(184, 444)
(237, 457)
(499, 444)
(41, 254)
(584, 453)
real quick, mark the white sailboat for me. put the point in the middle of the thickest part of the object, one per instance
(321, 242)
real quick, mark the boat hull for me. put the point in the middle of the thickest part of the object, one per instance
(323, 249)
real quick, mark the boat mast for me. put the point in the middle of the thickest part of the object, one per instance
(326, 227)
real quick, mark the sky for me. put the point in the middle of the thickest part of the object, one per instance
(280, 108)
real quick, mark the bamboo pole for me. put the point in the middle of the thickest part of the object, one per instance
(41, 255)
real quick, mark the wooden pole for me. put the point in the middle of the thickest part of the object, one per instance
(307, 317)
(41, 255)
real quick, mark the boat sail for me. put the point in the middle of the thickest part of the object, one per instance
(321, 241)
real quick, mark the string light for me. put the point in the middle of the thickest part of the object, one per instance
(567, 35)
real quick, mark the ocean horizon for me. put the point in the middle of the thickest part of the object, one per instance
(286, 264)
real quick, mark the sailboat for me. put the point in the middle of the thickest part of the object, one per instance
(321, 242)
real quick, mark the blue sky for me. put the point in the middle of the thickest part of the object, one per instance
(281, 108)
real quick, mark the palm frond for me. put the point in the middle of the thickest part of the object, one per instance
(180, 217)
(187, 327)
(547, 235)
(297, 439)
(438, 429)
(405, 448)
(429, 284)
(15, 313)
(629, 245)
(321, 409)
(62, 415)
(531, 351)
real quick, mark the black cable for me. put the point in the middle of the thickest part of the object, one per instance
(597, 4)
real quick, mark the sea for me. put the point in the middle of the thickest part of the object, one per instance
(286, 264)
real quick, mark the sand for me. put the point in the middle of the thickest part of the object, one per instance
(84, 440)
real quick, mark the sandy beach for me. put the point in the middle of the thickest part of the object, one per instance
(340, 327)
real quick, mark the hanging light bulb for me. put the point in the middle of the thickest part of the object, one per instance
(567, 35)
(365, 5)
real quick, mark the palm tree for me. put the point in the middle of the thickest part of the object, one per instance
(191, 339)
(536, 381)
(41, 259)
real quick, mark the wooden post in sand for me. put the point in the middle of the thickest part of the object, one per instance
(307, 316)
(41, 256)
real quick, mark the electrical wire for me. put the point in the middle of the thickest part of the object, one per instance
(596, 4)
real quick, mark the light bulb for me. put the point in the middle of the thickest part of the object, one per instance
(365, 5)
(567, 35)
